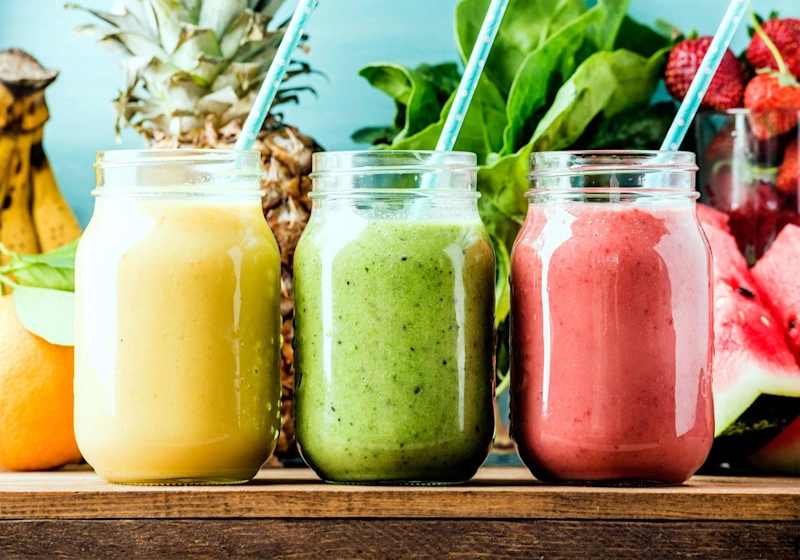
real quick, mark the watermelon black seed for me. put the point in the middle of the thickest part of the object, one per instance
(746, 293)
(791, 323)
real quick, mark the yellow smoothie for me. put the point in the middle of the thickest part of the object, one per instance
(177, 339)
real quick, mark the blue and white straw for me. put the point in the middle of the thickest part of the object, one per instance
(472, 75)
(705, 73)
(274, 78)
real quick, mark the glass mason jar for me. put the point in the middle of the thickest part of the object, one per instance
(748, 169)
(177, 286)
(394, 287)
(611, 320)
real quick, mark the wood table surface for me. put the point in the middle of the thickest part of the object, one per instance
(502, 513)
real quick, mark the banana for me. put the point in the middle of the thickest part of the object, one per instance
(18, 233)
(10, 109)
(7, 143)
(34, 113)
(34, 216)
(53, 219)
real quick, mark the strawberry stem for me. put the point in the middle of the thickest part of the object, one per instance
(776, 54)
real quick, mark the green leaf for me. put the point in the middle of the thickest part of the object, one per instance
(503, 186)
(607, 83)
(54, 270)
(638, 128)
(641, 39)
(49, 314)
(604, 32)
(541, 74)
(375, 135)
(526, 25)
(481, 131)
(419, 94)
(502, 289)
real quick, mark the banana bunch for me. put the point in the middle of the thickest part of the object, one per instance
(34, 217)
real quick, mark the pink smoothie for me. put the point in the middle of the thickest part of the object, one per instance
(611, 342)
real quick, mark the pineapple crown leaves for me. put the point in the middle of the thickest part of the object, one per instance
(191, 60)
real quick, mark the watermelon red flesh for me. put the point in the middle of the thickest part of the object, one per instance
(782, 454)
(750, 353)
(778, 280)
(709, 216)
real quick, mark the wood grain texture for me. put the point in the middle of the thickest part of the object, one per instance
(496, 493)
(388, 538)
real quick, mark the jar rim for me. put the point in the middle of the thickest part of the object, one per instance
(394, 173)
(172, 156)
(596, 162)
(358, 162)
(178, 172)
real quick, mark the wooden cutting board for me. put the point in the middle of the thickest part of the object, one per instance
(502, 513)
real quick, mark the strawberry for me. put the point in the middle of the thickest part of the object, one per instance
(772, 90)
(785, 34)
(727, 87)
(789, 172)
(764, 94)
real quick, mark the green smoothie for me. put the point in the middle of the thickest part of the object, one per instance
(393, 349)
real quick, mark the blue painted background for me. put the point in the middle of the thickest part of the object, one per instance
(345, 34)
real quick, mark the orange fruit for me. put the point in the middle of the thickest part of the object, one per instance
(36, 430)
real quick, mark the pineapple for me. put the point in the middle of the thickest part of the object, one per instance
(192, 71)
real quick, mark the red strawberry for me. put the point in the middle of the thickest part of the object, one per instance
(772, 91)
(785, 33)
(727, 87)
(789, 172)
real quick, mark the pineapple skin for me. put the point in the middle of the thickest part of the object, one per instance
(286, 156)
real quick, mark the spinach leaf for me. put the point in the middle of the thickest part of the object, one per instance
(607, 83)
(54, 270)
(544, 70)
(526, 25)
(47, 313)
(641, 39)
(375, 135)
(481, 131)
(502, 289)
(638, 128)
(419, 95)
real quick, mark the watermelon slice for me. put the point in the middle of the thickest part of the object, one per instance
(779, 282)
(750, 352)
(711, 217)
(782, 454)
